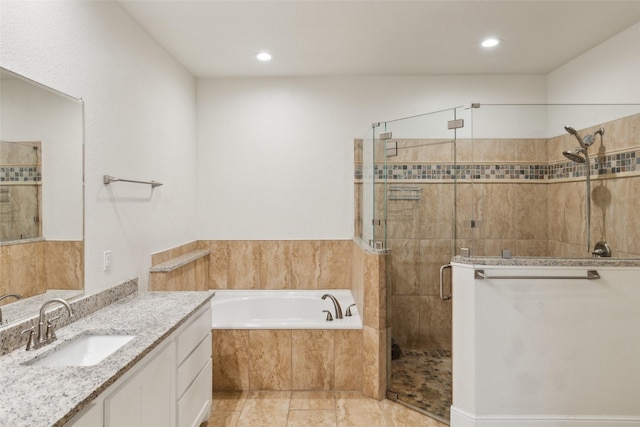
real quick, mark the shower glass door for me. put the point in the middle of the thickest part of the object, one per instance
(420, 192)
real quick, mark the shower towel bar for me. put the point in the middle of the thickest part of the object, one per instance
(481, 275)
(109, 179)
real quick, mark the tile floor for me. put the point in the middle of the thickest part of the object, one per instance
(310, 409)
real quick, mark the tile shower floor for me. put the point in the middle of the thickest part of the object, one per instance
(422, 378)
(310, 409)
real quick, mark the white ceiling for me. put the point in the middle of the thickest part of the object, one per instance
(393, 37)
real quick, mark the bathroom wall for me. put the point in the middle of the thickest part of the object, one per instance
(275, 154)
(139, 124)
(605, 74)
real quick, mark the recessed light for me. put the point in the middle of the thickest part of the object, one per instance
(264, 56)
(491, 42)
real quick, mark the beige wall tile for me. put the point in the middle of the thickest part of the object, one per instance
(531, 211)
(404, 265)
(218, 262)
(437, 211)
(275, 264)
(313, 360)
(270, 359)
(435, 323)
(374, 356)
(348, 359)
(375, 291)
(19, 273)
(494, 150)
(243, 265)
(321, 264)
(495, 208)
(357, 274)
(405, 325)
(230, 359)
(63, 264)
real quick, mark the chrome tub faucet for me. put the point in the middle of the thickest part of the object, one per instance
(336, 305)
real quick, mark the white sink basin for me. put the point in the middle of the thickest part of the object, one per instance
(86, 350)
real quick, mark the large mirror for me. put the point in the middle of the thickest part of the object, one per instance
(41, 196)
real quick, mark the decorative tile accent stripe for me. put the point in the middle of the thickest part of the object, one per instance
(20, 174)
(604, 165)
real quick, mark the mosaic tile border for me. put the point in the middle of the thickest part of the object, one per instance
(612, 164)
(20, 174)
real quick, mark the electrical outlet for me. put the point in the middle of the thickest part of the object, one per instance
(106, 266)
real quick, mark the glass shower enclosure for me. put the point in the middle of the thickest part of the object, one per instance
(493, 179)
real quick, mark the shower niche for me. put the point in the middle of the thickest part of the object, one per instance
(496, 180)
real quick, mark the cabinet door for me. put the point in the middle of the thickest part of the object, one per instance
(91, 416)
(147, 399)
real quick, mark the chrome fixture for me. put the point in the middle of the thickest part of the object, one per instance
(444, 297)
(336, 305)
(482, 275)
(348, 312)
(602, 249)
(576, 155)
(16, 296)
(329, 316)
(581, 155)
(46, 333)
(106, 180)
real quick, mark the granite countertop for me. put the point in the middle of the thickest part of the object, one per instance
(548, 262)
(41, 396)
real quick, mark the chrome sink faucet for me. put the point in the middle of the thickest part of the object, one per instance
(16, 296)
(46, 333)
(336, 305)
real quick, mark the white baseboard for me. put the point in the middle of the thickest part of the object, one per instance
(461, 418)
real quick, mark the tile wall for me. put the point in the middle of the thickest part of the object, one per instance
(31, 268)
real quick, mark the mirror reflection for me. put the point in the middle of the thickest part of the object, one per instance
(41, 196)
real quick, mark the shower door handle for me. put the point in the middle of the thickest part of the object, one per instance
(442, 295)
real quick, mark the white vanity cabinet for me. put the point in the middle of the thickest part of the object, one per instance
(170, 387)
(145, 399)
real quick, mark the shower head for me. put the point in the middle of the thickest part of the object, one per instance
(573, 132)
(575, 155)
(590, 139)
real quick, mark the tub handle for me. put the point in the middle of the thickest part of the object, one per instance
(348, 312)
(329, 316)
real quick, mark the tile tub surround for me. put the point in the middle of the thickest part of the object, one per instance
(306, 264)
(11, 340)
(286, 359)
(45, 396)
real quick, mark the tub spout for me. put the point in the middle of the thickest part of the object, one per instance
(336, 305)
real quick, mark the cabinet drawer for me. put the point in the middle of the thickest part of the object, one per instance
(195, 406)
(194, 363)
(193, 334)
